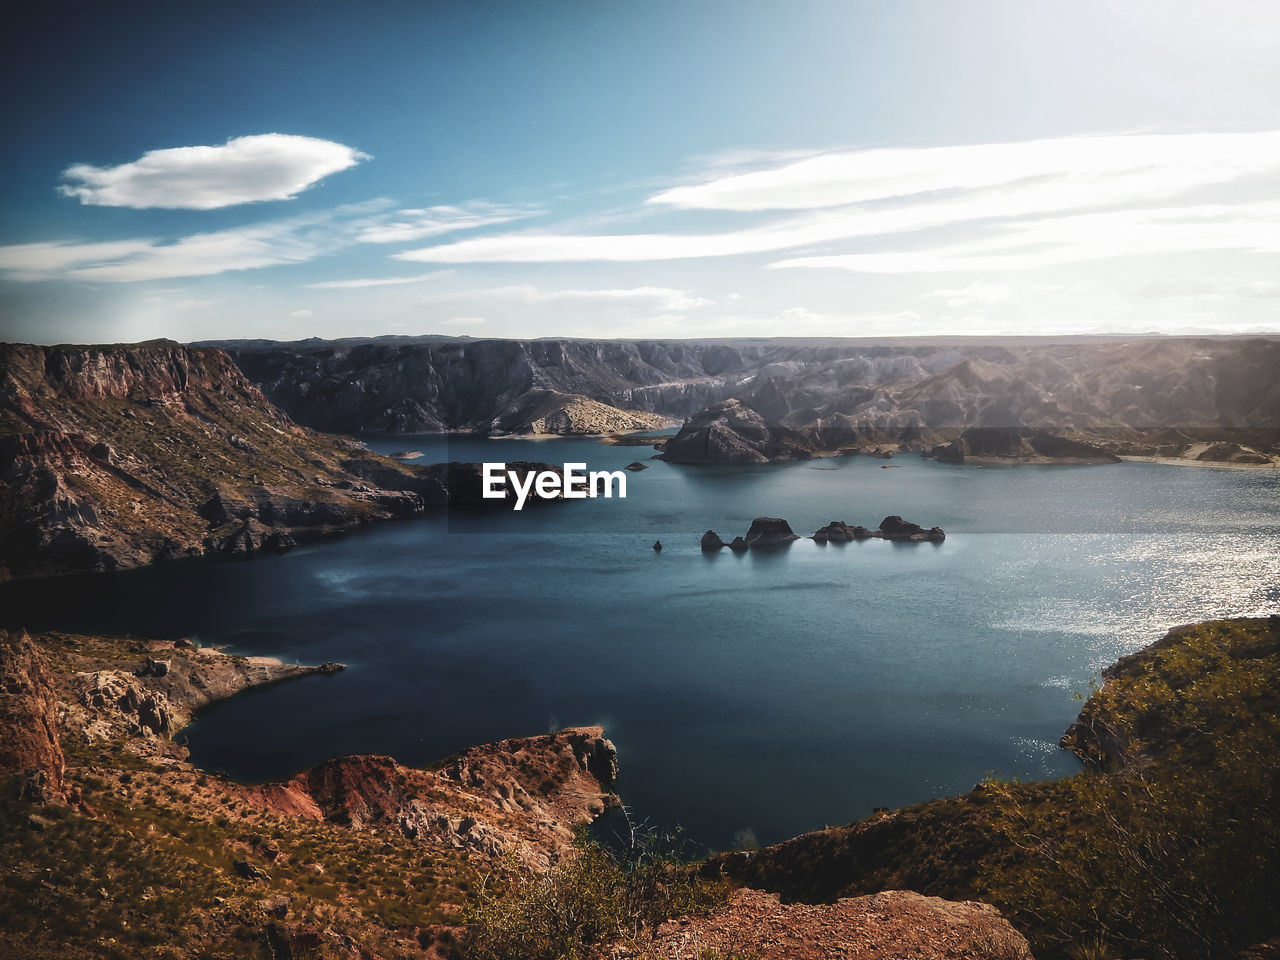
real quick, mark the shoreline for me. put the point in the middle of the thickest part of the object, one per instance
(1184, 462)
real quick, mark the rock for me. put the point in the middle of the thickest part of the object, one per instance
(769, 531)
(936, 535)
(276, 906)
(542, 411)
(732, 432)
(711, 541)
(331, 666)
(406, 455)
(836, 531)
(895, 528)
(657, 546)
(250, 871)
(278, 541)
(738, 545)
(636, 466)
(31, 743)
(153, 668)
(893, 925)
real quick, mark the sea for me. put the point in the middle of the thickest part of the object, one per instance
(751, 696)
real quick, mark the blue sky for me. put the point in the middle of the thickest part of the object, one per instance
(635, 169)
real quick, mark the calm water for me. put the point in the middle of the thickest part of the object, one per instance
(771, 692)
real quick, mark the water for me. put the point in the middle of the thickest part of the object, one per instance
(774, 692)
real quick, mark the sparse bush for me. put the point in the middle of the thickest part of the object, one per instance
(592, 899)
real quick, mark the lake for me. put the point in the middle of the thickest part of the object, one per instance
(755, 695)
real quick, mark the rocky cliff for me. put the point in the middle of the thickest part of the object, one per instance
(118, 456)
(1132, 395)
(360, 856)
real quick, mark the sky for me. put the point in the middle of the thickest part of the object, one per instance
(639, 168)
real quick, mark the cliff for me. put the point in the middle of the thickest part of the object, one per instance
(360, 856)
(1131, 396)
(118, 456)
(113, 457)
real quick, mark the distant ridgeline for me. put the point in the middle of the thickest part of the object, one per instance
(1084, 399)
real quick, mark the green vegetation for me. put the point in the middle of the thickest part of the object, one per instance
(583, 905)
(1176, 852)
(1167, 846)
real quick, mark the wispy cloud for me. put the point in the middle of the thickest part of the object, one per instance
(1253, 228)
(409, 225)
(875, 195)
(294, 240)
(976, 292)
(361, 282)
(271, 166)
(660, 298)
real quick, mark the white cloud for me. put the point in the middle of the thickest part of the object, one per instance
(867, 195)
(271, 166)
(975, 292)
(409, 225)
(464, 321)
(39, 261)
(1253, 228)
(1211, 290)
(661, 298)
(300, 313)
(294, 240)
(362, 282)
(1142, 162)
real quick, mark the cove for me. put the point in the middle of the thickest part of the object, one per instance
(749, 695)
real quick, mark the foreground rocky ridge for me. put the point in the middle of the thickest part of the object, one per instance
(1165, 847)
(302, 864)
(792, 399)
(892, 925)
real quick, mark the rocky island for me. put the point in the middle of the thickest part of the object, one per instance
(773, 531)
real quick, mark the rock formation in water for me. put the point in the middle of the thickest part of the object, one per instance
(731, 432)
(711, 541)
(541, 412)
(769, 532)
(895, 528)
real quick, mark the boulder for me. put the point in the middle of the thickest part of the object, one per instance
(770, 531)
(837, 531)
(635, 466)
(895, 528)
(738, 545)
(711, 541)
(657, 546)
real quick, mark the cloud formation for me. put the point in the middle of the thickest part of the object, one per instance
(270, 166)
(293, 240)
(1002, 200)
(661, 298)
(410, 225)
